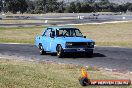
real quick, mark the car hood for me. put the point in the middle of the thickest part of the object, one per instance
(75, 39)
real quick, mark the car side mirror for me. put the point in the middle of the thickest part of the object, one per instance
(84, 36)
(52, 34)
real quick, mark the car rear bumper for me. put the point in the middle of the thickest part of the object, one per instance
(78, 50)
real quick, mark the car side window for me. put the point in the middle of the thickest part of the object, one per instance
(47, 32)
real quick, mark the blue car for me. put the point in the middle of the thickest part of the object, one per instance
(62, 40)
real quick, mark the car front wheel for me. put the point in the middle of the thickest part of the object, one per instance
(42, 52)
(60, 52)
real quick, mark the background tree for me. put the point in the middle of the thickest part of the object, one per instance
(22, 6)
(78, 7)
(60, 7)
(40, 6)
(15, 6)
(130, 8)
(86, 8)
(0, 5)
(31, 6)
(89, 1)
(72, 7)
(44, 6)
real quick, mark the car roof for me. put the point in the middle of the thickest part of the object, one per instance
(58, 27)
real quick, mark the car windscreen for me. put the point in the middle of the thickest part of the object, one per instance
(69, 32)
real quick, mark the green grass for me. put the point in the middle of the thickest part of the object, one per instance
(117, 34)
(25, 74)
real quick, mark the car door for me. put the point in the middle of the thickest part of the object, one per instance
(48, 41)
(52, 43)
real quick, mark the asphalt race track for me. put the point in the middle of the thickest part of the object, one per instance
(105, 57)
(71, 18)
(65, 22)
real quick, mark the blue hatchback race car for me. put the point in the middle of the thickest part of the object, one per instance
(62, 40)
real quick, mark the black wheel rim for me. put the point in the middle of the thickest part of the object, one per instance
(41, 49)
(59, 51)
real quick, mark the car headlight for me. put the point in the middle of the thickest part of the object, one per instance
(92, 43)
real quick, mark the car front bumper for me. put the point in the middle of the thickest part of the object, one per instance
(78, 50)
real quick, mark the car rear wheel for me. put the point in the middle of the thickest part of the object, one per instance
(60, 52)
(42, 52)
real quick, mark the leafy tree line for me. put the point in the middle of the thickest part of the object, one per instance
(103, 6)
(44, 6)
(13, 6)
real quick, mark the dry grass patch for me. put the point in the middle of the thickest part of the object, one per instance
(20, 34)
(116, 34)
(25, 74)
(119, 34)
